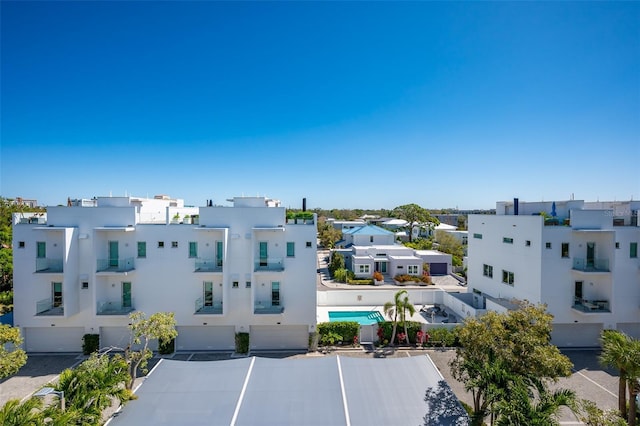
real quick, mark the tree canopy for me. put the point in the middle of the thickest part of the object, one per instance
(416, 217)
(12, 358)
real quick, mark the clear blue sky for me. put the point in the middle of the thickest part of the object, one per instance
(349, 104)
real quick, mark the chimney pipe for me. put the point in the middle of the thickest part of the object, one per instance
(515, 206)
(304, 204)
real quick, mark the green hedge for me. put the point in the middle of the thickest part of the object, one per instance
(439, 336)
(90, 343)
(242, 343)
(167, 348)
(360, 282)
(347, 330)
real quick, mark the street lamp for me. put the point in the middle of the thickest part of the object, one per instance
(47, 391)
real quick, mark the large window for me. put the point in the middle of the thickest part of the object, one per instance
(207, 293)
(218, 253)
(633, 250)
(56, 295)
(275, 293)
(507, 277)
(126, 295)
(412, 269)
(363, 269)
(41, 250)
(142, 249)
(565, 250)
(291, 249)
(193, 249)
(487, 271)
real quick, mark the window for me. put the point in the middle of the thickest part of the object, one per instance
(247, 284)
(412, 269)
(487, 271)
(363, 269)
(160, 244)
(291, 249)
(633, 250)
(617, 245)
(235, 284)
(465, 240)
(547, 245)
(174, 244)
(478, 236)
(20, 244)
(85, 285)
(565, 250)
(207, 293)
(371, 239)
(275, 293)
(507, 277)
(41, 249)
(308, 244)
(507, 240)
(142, 249)
(527, 243)
(218, 254)
(193, 249)
(56, 295)
(126, 295)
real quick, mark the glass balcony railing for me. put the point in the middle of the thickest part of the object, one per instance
(47, 307)
(115, 308)
(269, 264)
(267, 308)
(590, 265)
(115, 265)
(208, 265)
(591, 305)
(214, 308)
(46, 265)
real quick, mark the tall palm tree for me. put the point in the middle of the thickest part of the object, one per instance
(14, 413)
(393, 309)
(616, 354)
(633, 379)
(406, 306)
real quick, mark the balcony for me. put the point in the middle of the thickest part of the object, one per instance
(274, 264)
(116, 266)
(590, 265)
(262, 308)
(114, 308)
(214, 309)
(47, 307)
(49, 266)
(591, 306)
(208, 265)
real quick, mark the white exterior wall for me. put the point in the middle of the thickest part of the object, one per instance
(166, 279)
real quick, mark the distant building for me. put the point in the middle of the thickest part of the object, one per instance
(19, 201)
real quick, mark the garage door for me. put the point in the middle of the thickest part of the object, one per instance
(630, 329)
(202, 338)
(438, 268)
(53, 339)
(279, 337)
(576, 335)
(114, 337)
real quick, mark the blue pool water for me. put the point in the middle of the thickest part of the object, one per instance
(361, 317)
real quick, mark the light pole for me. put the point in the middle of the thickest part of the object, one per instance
(47, 391)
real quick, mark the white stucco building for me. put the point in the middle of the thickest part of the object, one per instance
(220, 269)
(581, 259)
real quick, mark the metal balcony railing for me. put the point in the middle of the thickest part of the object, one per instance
(115, 265)
(45, 307)
(215, 309)
(267, 308)
(47, 265)
(208, 265)
(114, 308)
(590, 265)
(269, 264)
(591, 305)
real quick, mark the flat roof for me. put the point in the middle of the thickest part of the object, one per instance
(318, 391)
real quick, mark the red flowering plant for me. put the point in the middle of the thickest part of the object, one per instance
(401, 337)
(355, 340)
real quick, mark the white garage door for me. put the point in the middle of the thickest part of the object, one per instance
(202, 338)
(576, 335)
(630, 328)
(53, 339)
(119, 337)
(279, 337)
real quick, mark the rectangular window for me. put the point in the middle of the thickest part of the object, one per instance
(507, 277)
(564, 252)
(478, 236)
(142, 249)
(174, 244)
(275, 293)
(160, 244)
(20, 244)
(617, 245)
(371, 239)
(85, 285)
(291, 249)
(527, 243)
(219, 254)
(247, 284)
(56, 295)
(363, 269)
(487, 271)
(633, 250)
(547, 245)
(264, 253)
(235, 284)
(507, 240)
(207, 293)
(412, 269)
(126, 295)
(193, 249)
(41, 249)
(309, 244)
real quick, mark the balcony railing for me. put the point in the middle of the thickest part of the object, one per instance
(208, 265)
(215, 309)
(46, 307)
(114, 308)
(595, 265)
(270, 264)
(260, 308)
(47, 265)
(115, 265)
(591, 305)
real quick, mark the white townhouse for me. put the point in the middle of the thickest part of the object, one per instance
(581, 259)
(221, 269)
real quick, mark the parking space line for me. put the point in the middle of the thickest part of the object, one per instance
(597, 384)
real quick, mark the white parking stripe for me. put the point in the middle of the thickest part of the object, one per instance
(598, 385)
(244, 388)
(344, 395)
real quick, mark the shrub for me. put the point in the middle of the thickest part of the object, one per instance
(242, 343)
(440, 336)
(386, 327)
(346, 330)
(90, 343)
(377, 276)
(336, 262)
(365, 281)
(168, 347)
(330, 339)
(343, 275)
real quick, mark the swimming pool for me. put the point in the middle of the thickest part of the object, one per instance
(361, 317)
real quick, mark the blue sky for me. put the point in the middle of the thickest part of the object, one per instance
(349, 104)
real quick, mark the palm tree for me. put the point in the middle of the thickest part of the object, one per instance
(393, 309)
(405, 306)
(633, 379)
(616, 354)
(13, 413)
(520, 409)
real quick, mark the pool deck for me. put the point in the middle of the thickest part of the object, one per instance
(322, 312)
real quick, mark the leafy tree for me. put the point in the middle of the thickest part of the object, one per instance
(159, 326)
(327, 234)
(420, 244)
(27, 413)
(12, 358)
(336, 261)
(591, 415)
(519, 342)
(447, 243)
(416, 217)
(406, 306)
(523, 407)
